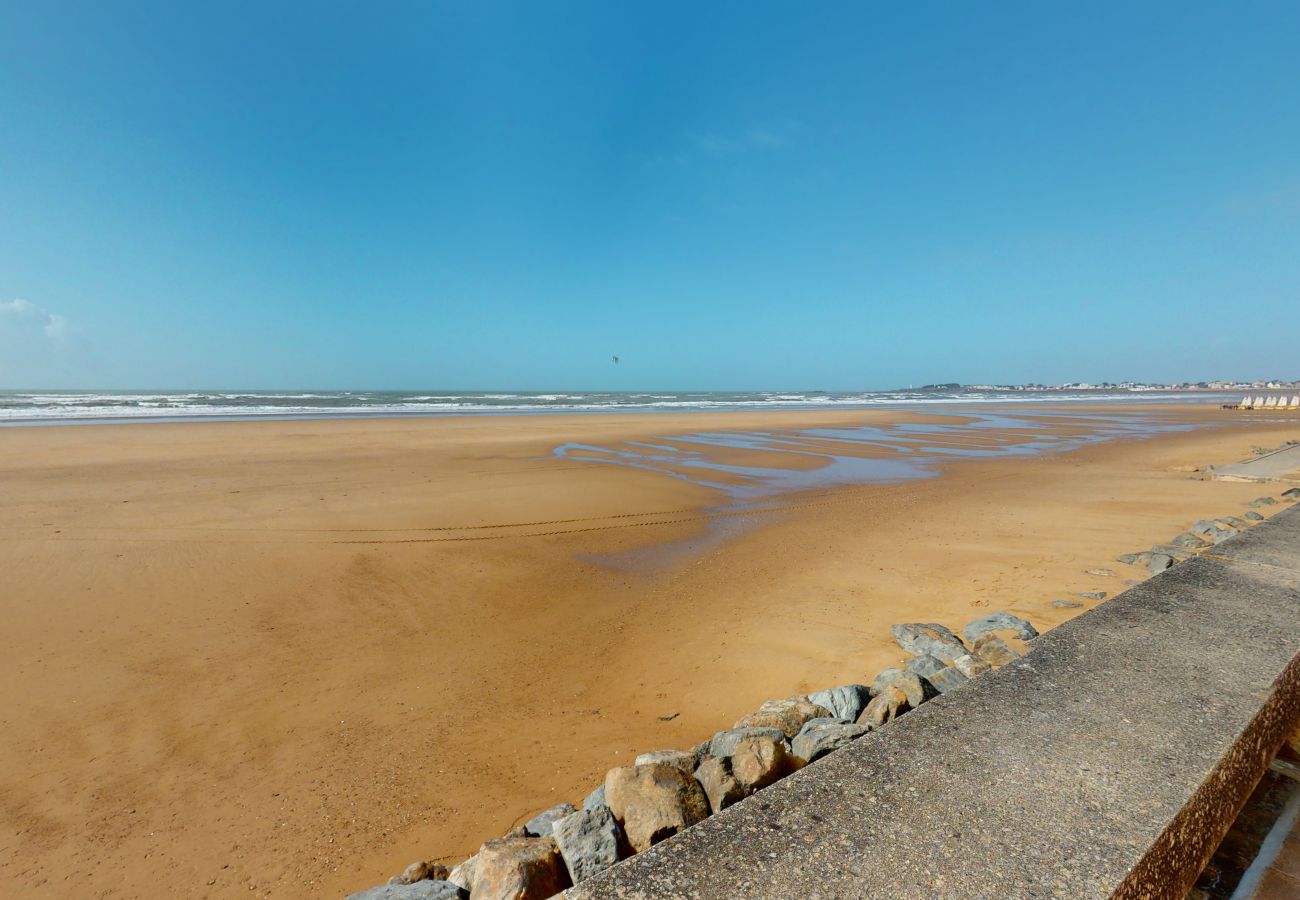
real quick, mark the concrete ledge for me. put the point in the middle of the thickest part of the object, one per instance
(1108, 762)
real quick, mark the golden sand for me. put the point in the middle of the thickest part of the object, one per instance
(288, 658)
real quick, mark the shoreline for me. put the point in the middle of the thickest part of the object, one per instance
(323, 685)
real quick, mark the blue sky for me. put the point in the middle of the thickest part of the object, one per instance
(727, 196)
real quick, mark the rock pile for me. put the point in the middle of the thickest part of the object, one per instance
(666, 791)
(1201, 536)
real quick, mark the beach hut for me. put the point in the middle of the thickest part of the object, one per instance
(1270, 403)
(1295, 402)
(1245, 402)
(1259, 401)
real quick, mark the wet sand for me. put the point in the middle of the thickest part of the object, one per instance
(288, 658)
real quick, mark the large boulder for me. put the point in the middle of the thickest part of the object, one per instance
(719, 783)
(654, 802)
(971, 666)
(789, 715)
(678, 759)
(463, 875)
(844, 702)
(1253, 516)
(1160, 562)
(1292, 493)
(1260, 501)
(819, 738)
(1188, 541)
(995, 624)
(540, 824)
(724, 743)
(760, 761)
(885, 707)
(994, 651)
(589, 841)
(419, 890)
(596, 798)
(934, 673)
(519, 868)
(907, 682)
(929, 639)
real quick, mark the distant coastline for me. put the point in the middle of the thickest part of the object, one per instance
(53, 407)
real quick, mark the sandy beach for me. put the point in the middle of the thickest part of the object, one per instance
(286, 658)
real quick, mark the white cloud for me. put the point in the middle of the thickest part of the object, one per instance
(21, 318)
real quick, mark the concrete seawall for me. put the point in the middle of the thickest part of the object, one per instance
(1107, 762)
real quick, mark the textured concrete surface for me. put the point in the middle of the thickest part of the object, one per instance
(1108, 761)
(1280, 465)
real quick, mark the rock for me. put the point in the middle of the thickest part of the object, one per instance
(1239, 524)
(845, 701)
(589, 841)
(1132, 582)
(929, 640)
(885, 707)
(540, 824)
(1092, 595)
(1254, 516)
(720, 785)
(933, 672)
(1160, 562)
(997, 622)
(1103, 573)
(907, 682)
(789, 715)
(419, 890)
(678, 759)
(519, 868)
(1129, 559)
(725, 743)
(1292, 493)
(1213, 531)
(970, 666)
(816, 740)
(1261, 501)
(595, 799)
(463, 875)
(1067, 604)
(1188, 541)
(655, 802)
(994, 651)
(759, 761)
(421, 871)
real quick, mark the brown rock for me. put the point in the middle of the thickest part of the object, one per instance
(720, 785)
(422, 871)
(994, 651)
(759, 761)
(789, 715)
(884, 707)
(678, 759)
(519, 868)
(653, 802)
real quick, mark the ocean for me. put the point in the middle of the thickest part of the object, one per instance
(42, 407)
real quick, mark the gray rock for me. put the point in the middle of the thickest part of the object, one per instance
(994, 651)
(724, 743)
(1188, 541)
(1104, 573)
(1160, 562)
(1092, 595)
(1132, 582)
(419, 890)
(971, 666)
(995, 622)
(1178, 553)
(884, 707)
(540, 824)
(907, 682)
(1129, 559)
(463, 875)
(720, 785)
(589, 841)
(922, 639)
(934, 673)
(1260, 501)
(1292, 493)
(1254, 516)
(519, 868)
(816, 741)
(595, 799)
(680, 759)
(1067, 604)
(845, 701)
(1239, 524)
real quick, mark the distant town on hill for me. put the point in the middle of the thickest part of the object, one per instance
(1273, 384)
